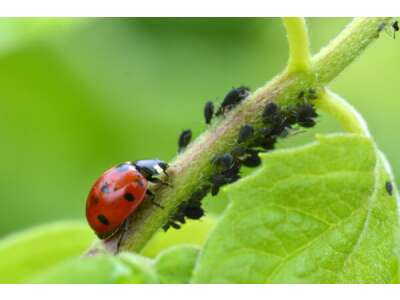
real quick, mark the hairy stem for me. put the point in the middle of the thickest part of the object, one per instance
(348, 45)
(193, 167)
(299, 46)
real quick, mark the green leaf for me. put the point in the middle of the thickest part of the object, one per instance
(98, 269)
(141, 267)
(30, 252)
(194, 232)
(315, 214)
(175, 265)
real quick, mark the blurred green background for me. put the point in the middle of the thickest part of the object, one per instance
(80, 95)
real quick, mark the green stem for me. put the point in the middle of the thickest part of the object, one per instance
(350, 119)
(348, 45)
(193, 167)
(299, 46)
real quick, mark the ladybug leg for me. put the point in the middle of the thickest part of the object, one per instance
(152, 197)
(124, 229)
(158, 180)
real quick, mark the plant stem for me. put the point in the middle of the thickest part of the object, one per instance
(350, 119)
(299, 46)
(193, 167)
(348, 45)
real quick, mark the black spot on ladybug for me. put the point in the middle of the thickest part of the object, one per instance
(245, 133)
(95, 200)
(104, 188)
(208, 112)
(122, 167)
(389, 188)
(103, 220)
(129, 197)
(184, 139)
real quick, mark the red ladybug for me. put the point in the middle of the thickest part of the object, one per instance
(118, 193)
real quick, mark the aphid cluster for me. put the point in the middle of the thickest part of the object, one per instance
(119, 191)
(190, 209)
(277, 122)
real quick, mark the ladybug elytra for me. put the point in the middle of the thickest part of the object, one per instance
(119, 192)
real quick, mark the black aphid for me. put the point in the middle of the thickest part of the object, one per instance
(184, 139)
(312, 94)
(193, 211)
(395, 26)
(217, 181)
(233, 98)
(270, 112)
(389, 188)
(252, 159)
(208, 112)
(226, 176)
(245, 133)
(190, 209)
(301, 95)
(238, 151)
(268, 143)
(305, 115)
(224, 161)
(266, 131)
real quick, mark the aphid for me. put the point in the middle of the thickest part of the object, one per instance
(305, 114)
(301, 95)
(190, 209)
(252, 160)
(224, 161)
(217, 181)
(270, 112)
(193, 211)
(226, 176)
(389, 187)
(312, 94)
(117, 194)
(395, 26)
(238, 151)
(208, 112)
(232, 174)
(268, 143)
(184, 139)
(266, 131)
(290, 115)
(307, 123)
(246, 132)
(172, 224)
(233, 98)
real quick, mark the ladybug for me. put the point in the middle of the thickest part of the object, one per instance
(119, 192)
